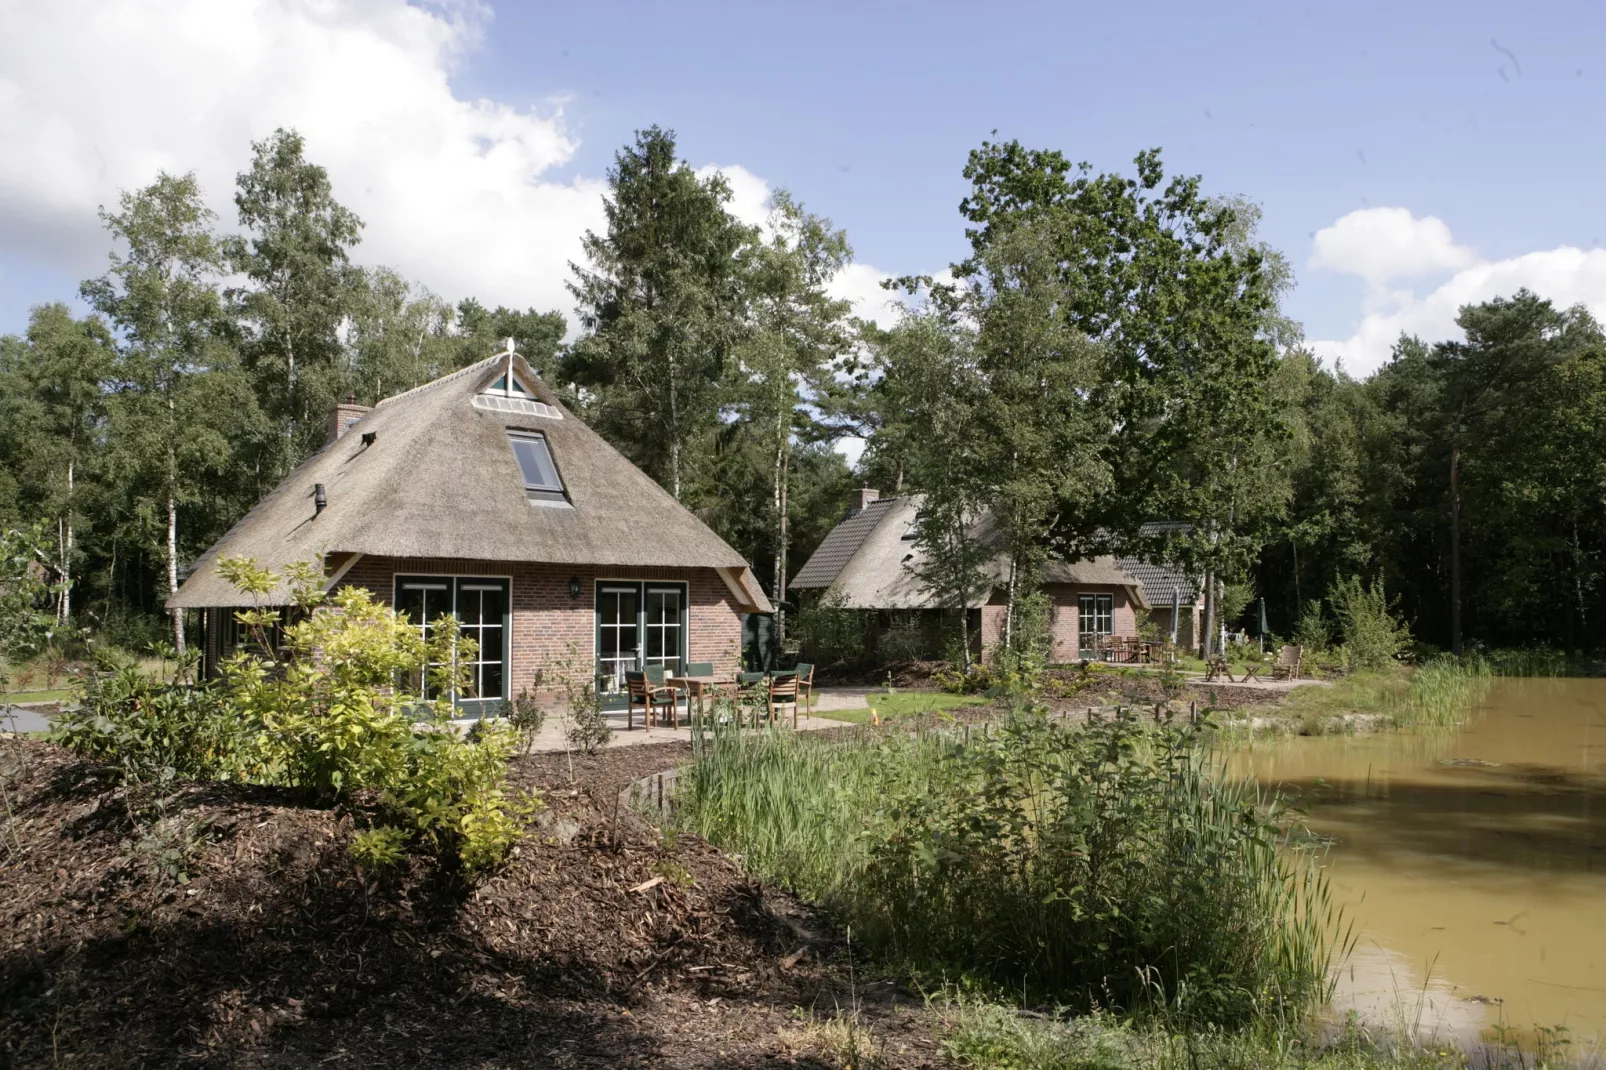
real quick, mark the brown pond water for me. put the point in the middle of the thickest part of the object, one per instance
(1472, 861)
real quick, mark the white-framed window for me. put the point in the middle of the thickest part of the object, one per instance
(640, 624)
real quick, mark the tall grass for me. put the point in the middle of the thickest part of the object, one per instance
(1104, 866)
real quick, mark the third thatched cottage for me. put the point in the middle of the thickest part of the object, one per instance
(480, 495)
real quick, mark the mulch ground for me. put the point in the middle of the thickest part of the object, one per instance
(599, 945)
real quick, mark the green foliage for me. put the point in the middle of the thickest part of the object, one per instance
(526, 715)
(24, 626)
(1106, 866)
(334, 711)
(1372, 636)
(380, 847)
(830, 634)
(1312, 633)
(588, 729)
(151, 728)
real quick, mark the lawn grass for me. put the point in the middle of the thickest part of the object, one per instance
(60, 694)
(902, 704)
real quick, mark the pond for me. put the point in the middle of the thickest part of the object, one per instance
(1472, 861)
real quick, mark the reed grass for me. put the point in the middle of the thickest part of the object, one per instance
(1103, 866)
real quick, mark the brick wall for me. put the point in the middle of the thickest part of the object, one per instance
(1064, 619)
(546, 621)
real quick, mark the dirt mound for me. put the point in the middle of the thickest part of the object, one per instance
(599, 944)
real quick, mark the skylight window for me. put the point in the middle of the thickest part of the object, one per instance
(541, 480)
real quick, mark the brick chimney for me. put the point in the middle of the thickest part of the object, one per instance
(346, 413)
(861, 498)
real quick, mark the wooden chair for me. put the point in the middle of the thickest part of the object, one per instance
(805, 686)
(698, 668)
(782, 691)
(650, 698)
(1288, 663)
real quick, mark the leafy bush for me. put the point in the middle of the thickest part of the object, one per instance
(827, 633)
(25, 627)
(1312, 632)
(904, 641)
(527, 716)
(1373, 637)
(335, 709)
(1101, 866)
(380, 847)
(150, 727)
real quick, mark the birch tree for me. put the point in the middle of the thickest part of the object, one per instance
(785, 364)
(53, 417)
(179, 401)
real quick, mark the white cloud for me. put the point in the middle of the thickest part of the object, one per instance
(1566, 275)
(1380, 244)
(96, 97)
(750, 195)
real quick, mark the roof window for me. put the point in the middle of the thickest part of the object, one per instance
(541, 480)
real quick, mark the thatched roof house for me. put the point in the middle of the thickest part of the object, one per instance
(871, 561)
(479, 494)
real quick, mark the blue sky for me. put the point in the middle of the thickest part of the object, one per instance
(1487, 117)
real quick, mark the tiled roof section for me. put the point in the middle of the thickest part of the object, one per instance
(838, 548)
(1158, 581)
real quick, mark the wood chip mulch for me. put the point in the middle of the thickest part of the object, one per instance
(600, 944)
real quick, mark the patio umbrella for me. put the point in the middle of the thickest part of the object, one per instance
(1176, 607)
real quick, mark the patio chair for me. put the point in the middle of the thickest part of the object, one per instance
(1288, 663)
(782, 691)
(805, 686)
(650, 697)
(698, 668)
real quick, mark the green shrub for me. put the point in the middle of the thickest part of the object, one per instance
(827, 633)
(380, 847)
(527, 716)
(1101, 866)
(1312, 632)
(1373, 637)
(150, 727)
(904, 641)
(335, 709)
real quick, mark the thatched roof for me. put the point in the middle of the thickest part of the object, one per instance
(873, 562)
(440, 480)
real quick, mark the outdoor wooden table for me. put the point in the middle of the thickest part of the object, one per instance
(698, 686)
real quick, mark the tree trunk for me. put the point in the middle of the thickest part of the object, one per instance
(1009, 609)
(1208, 640)
(780, 495)
(1299, 596)
(66, 554)
(1455, 547)
(674, 432)
(172, 571)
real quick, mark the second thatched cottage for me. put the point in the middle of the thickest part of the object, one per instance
(479, 495)
(872, 561)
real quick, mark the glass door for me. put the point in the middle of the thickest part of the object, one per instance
(618, 645)
(482, 615)
(638, 624)
(1097, 619)
(424, 600)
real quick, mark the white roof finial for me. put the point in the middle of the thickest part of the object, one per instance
(509, 349)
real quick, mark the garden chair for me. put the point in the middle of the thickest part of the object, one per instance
(1288, 663)
(805, 686)
(782, 691)
(650, 697)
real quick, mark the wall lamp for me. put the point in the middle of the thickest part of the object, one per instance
(574, 588)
